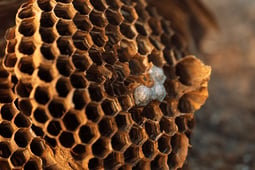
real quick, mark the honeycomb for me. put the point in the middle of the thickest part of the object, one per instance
(96, 84)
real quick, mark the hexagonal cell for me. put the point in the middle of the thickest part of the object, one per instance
(136, 114)
(27, 27)
(51, 141)
(66, 139)
(149, 149)
(152, 129)
(22, 121)
(5, 150)
(96, 56)
(40, 115)
(81, 6)
(22, 137)
(37, 146)
(124, 121)
(82, 22)
(164, 144)
(110, 57)
(23, 89)
(42, 95)
(113, 4)
(7, 111)
(79, 151)
(71, 120)
(65, 27)
(80, 99)
(113, 34)
(32, 164)
(11, 44)
(64, 11)
(152, 112)
(10, 60)
(137, 135)
(98, 74)
(78, 80)
(107, 127)
(113, 16)
(98, 37)
(111, 106)
(168, 125)
(45, 5)
(48, 35)
(82, 40)
(113, 160)
(26, 65)
(98, 5)
(127, 50)
(37, 130)
(96, 163)
(144, 45)
(88, 133)
(48, 51)
(156, 56)
(142, 13)
(160, 162)
(137, 66)
(63, 86)
(101, 147)
(127, 30)
(142, 29)
(19, 157)
(128, 13)
(181, 122)
(120, 141)
(94, 112)
(96, 93)
(166, 109)
(25, 106)
(65, 45)
(45, 73)
(132, 155)
(57, 108)
(126, 102)
(54, 128)
(64, 66)
(97, 18)
(26, 12)
(81, 61)
(47, 19)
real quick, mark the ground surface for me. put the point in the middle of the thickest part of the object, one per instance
(224, 138)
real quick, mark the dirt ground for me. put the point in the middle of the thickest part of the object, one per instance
(224, 138)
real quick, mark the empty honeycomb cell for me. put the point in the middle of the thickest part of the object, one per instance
(96, 56)
(5, 150)
(144, 45)
(11, 44)
(98, 37)
(6, 129)
(57, 108)
(10, 33)
(113, 160)
(45, 73)
(81, 61)
(97, 18)
(101, 147)
(124, 121)
(94, 112)
(51, 141)
(79, 151)
(127, 30)
(107, 127)
(137, 135)
(129, 13)
(98, 74)
(54, 127)
(26, 12)
(181, 123)
(113, 4)
(7, 112)
(156, 57)
(132, 155)
(155, 26)
(66, 139)
(22, 137)
(40, 115)
(96, 163)
(25, 106)
(19, 157)
(63, 86)
(80, 99)
(168, 125)
(164, 144)
(82, 6)
(22, 121)
(65, 45)
(122, 70)
(37, 146)
(71, 120)
(152, 129)
(48, 51)
(82, 22)
(32, 164)
(98, 5)
(157, 44)
(10, 60)
(26, 46)
(113, 16)
(137, 115)
(47, 19)
(149, 149)
(136, 65)
(166, 109)
(87, 133)
(64, 11)
(96, 93)
(126, 102)
(159, 162)
(127, 50)
(120, 141)
(65, 27)
(48, 35)
(82, 40)
(78, 80)
(113, 34)
(23, 88)
(142, 29)
(42, 95)
(45, 5)
(26, 65)
(111, 106)
(27, 27)
(37, 130)
(64, 66)
(152, 112)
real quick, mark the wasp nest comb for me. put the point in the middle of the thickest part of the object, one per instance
(97, 84)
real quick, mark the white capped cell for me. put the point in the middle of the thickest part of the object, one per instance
(142, 95)
(158, 92)
(157, 74)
